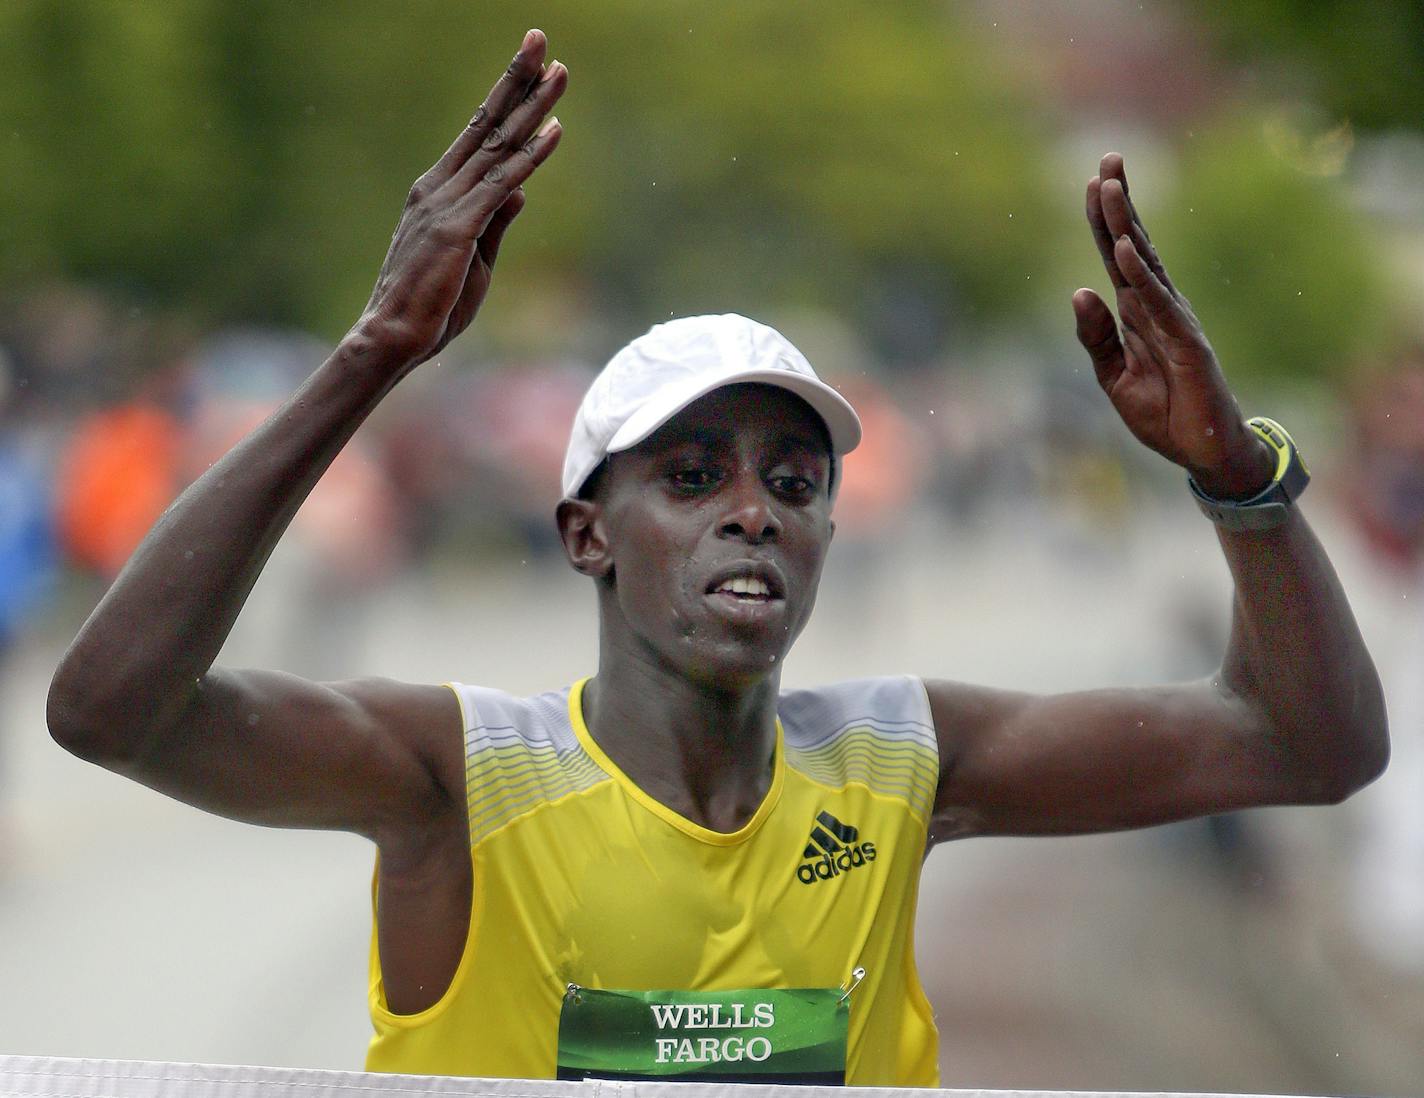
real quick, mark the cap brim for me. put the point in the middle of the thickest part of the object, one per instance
(842, 424)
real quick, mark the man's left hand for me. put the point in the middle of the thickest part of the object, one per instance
(1158, 369)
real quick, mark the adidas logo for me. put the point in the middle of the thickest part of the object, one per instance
(834, 849)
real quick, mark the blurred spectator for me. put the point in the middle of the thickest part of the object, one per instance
(1082, 480)
(883, 476)
(27, 550)
(347, 540)
(1387, 490)
(352, 521)
(511, 427)
(117, 474)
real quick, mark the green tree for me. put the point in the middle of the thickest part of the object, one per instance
(248, 161)
(1360, 60)
(1277, 265)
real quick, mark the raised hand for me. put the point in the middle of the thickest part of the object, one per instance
(437, 271)
(1158, 369)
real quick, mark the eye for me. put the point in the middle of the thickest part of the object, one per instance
(791, 484)
(693, 478)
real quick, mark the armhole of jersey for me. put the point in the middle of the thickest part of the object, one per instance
(919, 1001)
(921, 701)
(380, 1009)
(466, 724)
(924, 692)
(381, 1013)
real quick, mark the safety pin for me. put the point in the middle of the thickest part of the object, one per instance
(857, 974)
(572, 992)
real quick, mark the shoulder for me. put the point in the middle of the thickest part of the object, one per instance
(519, 753)
(487, 714)
(875, 732)
(893, 705)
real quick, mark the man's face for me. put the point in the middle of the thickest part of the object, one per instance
(717, 527)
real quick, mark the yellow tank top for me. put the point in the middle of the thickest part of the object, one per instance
(581, 878)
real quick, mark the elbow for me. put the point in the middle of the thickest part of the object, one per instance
(1364, 766)
(86, 728)
(1348, 750)
(69, 726)
(1361, 759)
(1367, 747)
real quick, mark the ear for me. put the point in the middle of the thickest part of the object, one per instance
(581, 530)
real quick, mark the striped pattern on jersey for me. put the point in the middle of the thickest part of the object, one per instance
(519, 753)
(522, 752)
(874, 732)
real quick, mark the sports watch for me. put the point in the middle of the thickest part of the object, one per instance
(1269, 507)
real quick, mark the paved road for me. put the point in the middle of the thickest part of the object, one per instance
(137, 928)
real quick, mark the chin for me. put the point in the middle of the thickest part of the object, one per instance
(733, 667)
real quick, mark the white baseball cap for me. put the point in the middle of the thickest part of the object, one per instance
(664, 370)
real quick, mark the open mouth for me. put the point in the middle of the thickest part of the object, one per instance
(747, 584)
(745, 587)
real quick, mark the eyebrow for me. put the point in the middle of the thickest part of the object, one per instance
(811, 445)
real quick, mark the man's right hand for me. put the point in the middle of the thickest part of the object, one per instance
(437, 271)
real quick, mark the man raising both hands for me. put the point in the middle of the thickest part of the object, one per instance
(674, 868)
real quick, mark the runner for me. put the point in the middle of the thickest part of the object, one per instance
(673, 868)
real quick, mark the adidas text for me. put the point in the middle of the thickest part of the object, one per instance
(833, 865)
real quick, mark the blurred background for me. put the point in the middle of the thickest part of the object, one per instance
(198, 195)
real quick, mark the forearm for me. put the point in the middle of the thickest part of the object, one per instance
(138, 660)
(1297, 659)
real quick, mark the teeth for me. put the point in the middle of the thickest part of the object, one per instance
(746, 585)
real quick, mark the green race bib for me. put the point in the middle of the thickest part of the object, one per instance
(795, 1035)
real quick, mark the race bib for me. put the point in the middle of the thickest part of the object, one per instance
(795, 1035)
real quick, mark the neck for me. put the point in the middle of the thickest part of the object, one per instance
(703, 750)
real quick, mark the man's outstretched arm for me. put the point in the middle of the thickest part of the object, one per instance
(1295, 715)
(137, 691)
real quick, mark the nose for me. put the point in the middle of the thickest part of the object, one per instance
(750, 513)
